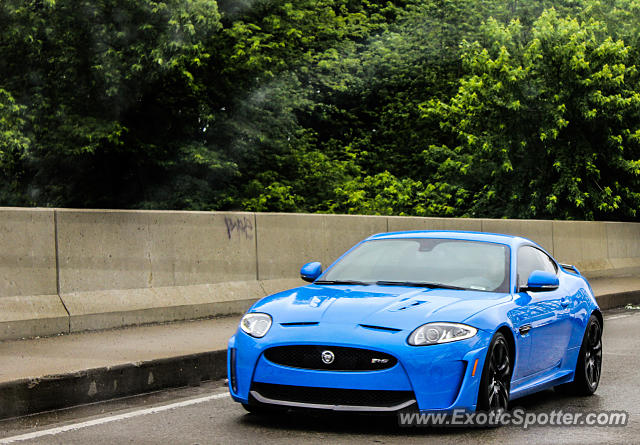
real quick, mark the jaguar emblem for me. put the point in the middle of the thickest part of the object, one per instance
(328, 357)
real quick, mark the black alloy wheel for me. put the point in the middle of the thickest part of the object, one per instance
(589, 366)
(593, 356)
(496, 376)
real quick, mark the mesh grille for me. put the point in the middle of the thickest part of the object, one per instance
(332, 396)
(344, 359)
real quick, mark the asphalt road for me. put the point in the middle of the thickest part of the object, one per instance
(206, 414)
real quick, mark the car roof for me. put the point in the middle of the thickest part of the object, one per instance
(454, 234)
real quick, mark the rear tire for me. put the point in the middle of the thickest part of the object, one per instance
(589, 366)
(495, 383)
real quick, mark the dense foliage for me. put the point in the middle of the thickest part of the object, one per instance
(520, 109)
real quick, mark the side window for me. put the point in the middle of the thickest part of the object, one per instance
(549, 265)
(530, 259)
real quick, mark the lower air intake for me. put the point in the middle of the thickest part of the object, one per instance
(332, 396)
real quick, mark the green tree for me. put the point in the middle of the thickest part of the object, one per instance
(111, 97)
(417, 107)
(14, 148)
(543, 127)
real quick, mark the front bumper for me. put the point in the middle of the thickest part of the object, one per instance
(330, 399)
(440, 377)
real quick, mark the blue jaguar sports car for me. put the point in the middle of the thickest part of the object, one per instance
(420, 321)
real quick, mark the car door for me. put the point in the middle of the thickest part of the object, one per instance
(548, 320)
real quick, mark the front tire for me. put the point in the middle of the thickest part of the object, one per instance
(589, 366)
(255, 409)
(495, 383)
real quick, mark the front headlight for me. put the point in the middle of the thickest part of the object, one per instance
(436, 333)
(256, 324)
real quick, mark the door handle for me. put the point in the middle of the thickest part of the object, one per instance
(524, 330)
(566, 301)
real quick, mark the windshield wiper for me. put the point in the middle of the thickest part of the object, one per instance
(352, 282)
(419, 284)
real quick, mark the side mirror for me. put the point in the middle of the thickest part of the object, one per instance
(540, 281)
(311, 271)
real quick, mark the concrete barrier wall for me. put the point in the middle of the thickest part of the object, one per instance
(286, 242)
(29, 302)
(67, 270)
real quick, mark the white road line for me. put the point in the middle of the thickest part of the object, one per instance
(615, 317)
(103, 420)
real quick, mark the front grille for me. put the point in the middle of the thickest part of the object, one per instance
(344, 359)
(332, 396)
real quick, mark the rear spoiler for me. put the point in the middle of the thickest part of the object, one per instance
(571, 268)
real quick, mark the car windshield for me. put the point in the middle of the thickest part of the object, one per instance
(429, 262)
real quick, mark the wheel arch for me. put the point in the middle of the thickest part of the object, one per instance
(599, 316)
(511, 342)
(505, 330)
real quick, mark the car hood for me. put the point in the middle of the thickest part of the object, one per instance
(395, 307)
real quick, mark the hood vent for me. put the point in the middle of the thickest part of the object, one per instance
(380, 328)
(406, 305)
(300, 323)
